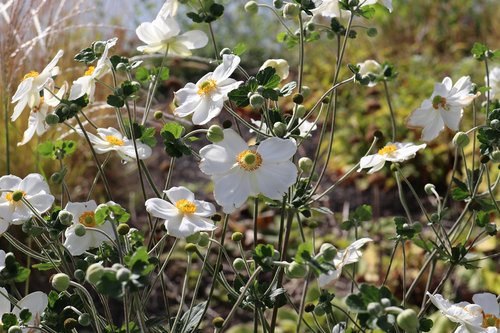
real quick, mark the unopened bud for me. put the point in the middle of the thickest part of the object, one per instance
(60, 281)
(123, 229)
(300, 111)
(239, 264)
(309, 307)
(290, 10)
(328, 251)
(70, 324)
(305, 164)
(158, 115)
(298, 98)
(495, 156)
(225, 50)
(123, 274)
(65, 217)
(14, 329)
(204, 239)
(296, 270)
(251, 7)
(52, 119)
(190, 248)
(408, 321)
(94, 273)
(80, 230)
(84, 319)
(279, 129)
(429, 189)
(237, 236)
(215, 134)
(461, 139)
(218, 322)
(278, 4)
(374, 308)
(257, 100)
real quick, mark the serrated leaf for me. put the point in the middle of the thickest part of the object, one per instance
(141, 74)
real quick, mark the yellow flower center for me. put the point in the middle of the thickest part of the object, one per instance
(87, 219)
(439, 101)
(387, 150)
(89, 71)
(14, 197)
(207, 87)
(249, 160)
(31, 74)
(490, 320)
(114, 140)
(185, 206)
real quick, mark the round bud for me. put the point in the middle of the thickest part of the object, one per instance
(461, 139)
(495, 156)
(305, 164)
(121, 67)
(319, 310)
(15, 329)
(328, 251)
(60, 281)
(312, 224)
(408, 321)
(17, 196)
(300, 111)
(296, 270)
(251, 7)
(80, 230)
(84, 319)
(193, 238)
(491, 229)
(374, 308)
(79, 275)
(298, 98)
(256, 101)
(372, 32)
(227, 124)
(237, 236)
(70, 323)
(10, 259)
(215, 134)
(123, 274)
(99, 47)
(123, 229)
(311, 26)
(225, 51)
(290, 10)
(325, 100)
(485, 159)
(429, 188)
(94, 273)
(309, 307)
(190, 248)
(218, 322)
(378, 134)
(74, 108)
(417, 227)
(204, 239)
(495, 123)
(279, 129)
(278, 4)
(52, 119)
(239, 264)
(395, 167)
(65, 217)
(117, 266)
(216, 217)
(385, 302)
(158, 115)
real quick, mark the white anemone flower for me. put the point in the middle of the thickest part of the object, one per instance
(392, 152)
(35, 302)
(163, 34)
(280, 65)
(183, 215)
(84, 214)
(86, 84)
(331, 8)
(2, 259)
(33, 188)
(169, 8)
(444, 107)
(305, 128)
(494, 83)
(110, 139)
(370, 67)
(349, 255)
(205, 99)
(480, 317)
(36, 121)
(239, 171)
(28, 91)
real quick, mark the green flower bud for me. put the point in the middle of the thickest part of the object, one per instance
(158, 115)
(279, 129)
(385, 302)
(237, 236)
(298, 98)
(311, 26)
(70, 323)
(99, 47)
(84, 319)
(123, 229)
(117, 266)
(60, 281)
(14, 329)
(190, 248)
(395, 167)
(372, 32)
(495, 123)
(485, 159)
(309, 307)
(461, 139)
(56, 178)
(123, 274)
(305, 164)
(225, 51)
(278, 4)
(10, 260)
(204, 239)
(74, 108)
(215, 134)
(80, 230)
(193, 238)
(296, 270)
(374, 308)
(328, 251)
(121, 67)
(491, 229)
(495, 156)
(52, 119)
(251, 7)
(319, 310)
(239, 264)
(417, 227)
(218, 322)
(256, 101)
(94, 273)
(429, 189)
(408, 321)
(290, 11)
(79, 275)
(65, 217)
(300, 111)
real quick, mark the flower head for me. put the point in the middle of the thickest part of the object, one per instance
(280, 65)
(169, 8)
(110, 139)
(84, 213)
(205, 99)
(368, 67)
(240, 171)
(444, 107)
(86, 84)
(349, 255)
(331, 8)
(494, 83)
(392, 152)
(35, 302)
(183, 215)
(28, 91)
(32, 188)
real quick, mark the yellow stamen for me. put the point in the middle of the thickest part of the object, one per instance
(31, 74)
(489, 320)
(387, 150)
(207, 87)
(87, 219)
(114, 140)
(14, 198)
(185, 206)
(249, 160)
(89, 71)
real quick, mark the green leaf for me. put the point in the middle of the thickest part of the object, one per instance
(116, 59)
(175, 129)
(270, 94)
(263, 256)
(355, 303)
(239, 49)
(46, 266)
(304, 253)
(363, 213)
(115, 101)
(478, 51)
(482, 218)
(268, 78)
(86, 56)
(458, 194)
(23, 274)
(8, 320)
(191, 318)
(45, 149)
(142, 74)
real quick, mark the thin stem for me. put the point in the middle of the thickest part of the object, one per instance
(393, 118)
(183, 292)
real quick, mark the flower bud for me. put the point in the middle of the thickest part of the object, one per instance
(94, 273)
(300, 111)
(461, 139)
(123, 274)
(79, 275)
(279, 129)
(70, 323)
(256, 101)
(65, 217)
(158, 115)
(385, 302)
(485, 159)
(298, 98)
(311, 26)
(309, 307)
(278, 4)
(374, 308)
(84, 319)
(251, 7)
(99, 47)
(296, 270)
(190, 248)
(215, 134)
(60, 281)
(491, 229)
(225, 51)
(429, 188)
(495, 123)
(121, 67)
(408, 321)
(319, 310)
(237, 236)
(204, 239)
(378, 135)
(123, 229)
(395, 167)
(52, 119)
(290, 10)
(80, 230)
(239, 264)
(328, 251)
(372, 32)
(305, 164)
(218, 322)
(325, 100)
(56, 178)
(15, 329)
(495, 156)
(193, 238)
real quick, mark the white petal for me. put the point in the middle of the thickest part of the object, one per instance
(488, 302)
(229, 64)
(9, 182)
(422, 116)
(33, 124)
(216, 160)
(277, 150)
(160, 208)
(451, 118)
(175, 194)
(233, 142)
(80, 87)
(76, 245)
(35, 302)
(226, 86)
(19, 108)
(204, 209)
(34, 183)
(433, 128)
(23, 88)
(41, 202)
(52, 64)
(193, 39)
(207, 110)
(232, 190)
(4, 301)
(328, 280)
(189, 225)
(375, 161)
(274, 179)
(78, 208)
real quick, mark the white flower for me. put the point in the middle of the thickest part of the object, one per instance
(392, 152)
(183, 215)
(494, 83)
(2, 259)
(370, 67)
(33, 189)
(280, 65)
(28, 91)
(36, 121)
(386, 3)
(444, 107)
(110, 139)
(483, 316)
(35, 302)
(305, 128)
(239, 171)
(86, 84)
(163, 34)
(331, 8)
(84, 213)
(205, 99)
(169, 8)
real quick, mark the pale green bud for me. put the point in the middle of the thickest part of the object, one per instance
(60, 281)
(204, 239)
(239, 264)
(290, 10)
(374, 308)
(429, 189)
(305, 164)
(408, 321)
(123, 274)
(256, 101)
(328, 251)
(300, 111)
(52, 119)
(251, 7)
(279, 129)
(215, 134)
(80, 230)
(65, 217)
(296, 270)
(461, 139)
(94, 273)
